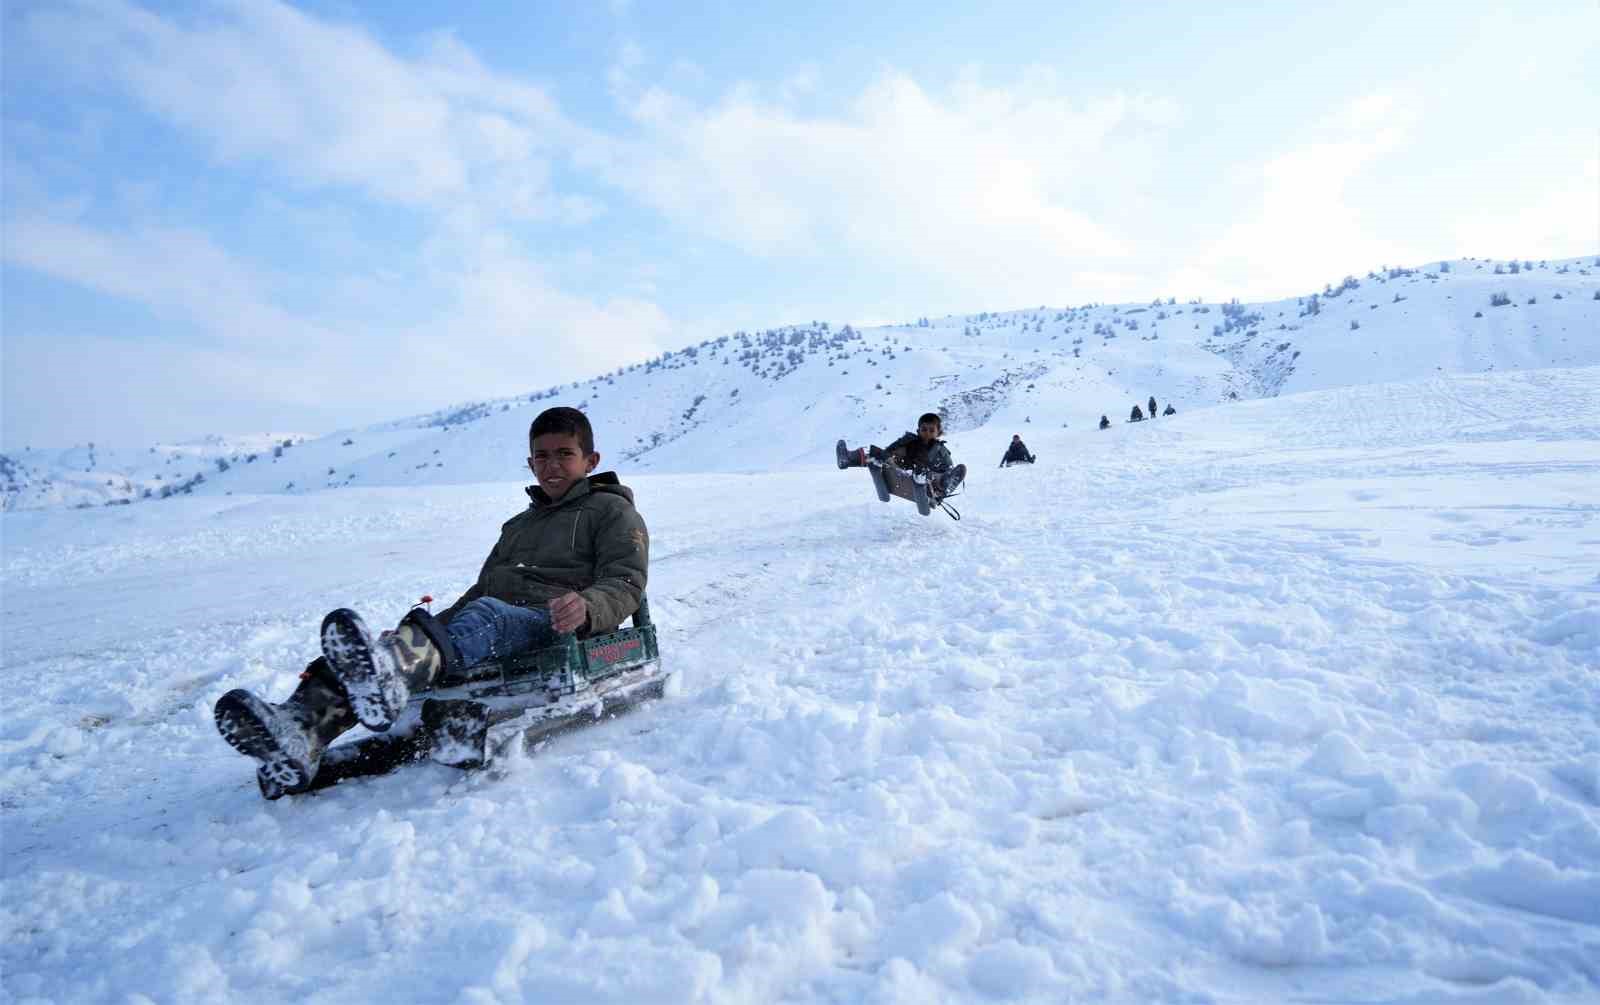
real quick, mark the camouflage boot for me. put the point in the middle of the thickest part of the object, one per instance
(380, 674)
(287, 739)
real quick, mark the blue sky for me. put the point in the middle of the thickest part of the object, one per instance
(246, 216)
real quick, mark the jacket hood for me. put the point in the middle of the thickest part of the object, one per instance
(605, 481)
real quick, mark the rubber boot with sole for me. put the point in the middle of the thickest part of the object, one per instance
(289, 738)
(378, 674)
(848, 458)
(953, 479)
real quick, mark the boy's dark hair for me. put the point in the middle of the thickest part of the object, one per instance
(564, 421)
(932, 417)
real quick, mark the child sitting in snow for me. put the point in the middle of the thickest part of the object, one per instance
(574, 561)
(1017, 453)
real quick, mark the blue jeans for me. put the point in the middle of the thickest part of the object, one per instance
(490, 629)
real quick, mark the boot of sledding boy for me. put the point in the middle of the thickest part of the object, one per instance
(380, 674)
(850, 458)
(288, 739)
(951, 480)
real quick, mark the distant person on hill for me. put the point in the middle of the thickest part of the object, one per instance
(1105, 423)
(1136, 415)
(1169, 410)
(574, 562)
(922, 451)
(1152, 406)
(1017, 453)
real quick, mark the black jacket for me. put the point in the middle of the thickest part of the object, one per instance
(1018, 451)
(914, 455)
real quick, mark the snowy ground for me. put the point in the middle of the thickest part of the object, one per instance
(1290, 700)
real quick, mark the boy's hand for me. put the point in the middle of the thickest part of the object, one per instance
(569, 612)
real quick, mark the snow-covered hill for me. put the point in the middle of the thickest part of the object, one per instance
(1289, 700)
(91, 475)
(771, 400)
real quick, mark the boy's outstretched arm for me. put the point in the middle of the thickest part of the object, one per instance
(621, 567)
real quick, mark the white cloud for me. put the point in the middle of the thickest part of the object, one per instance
(621, 75)
(502, 328)
(175, 272)
(1374, 112)
(1560, 220)
(324, 104)
(1302, 223)
(799, 84)
(468, 152)
(981, 190)
(66, 386)
(524, 331)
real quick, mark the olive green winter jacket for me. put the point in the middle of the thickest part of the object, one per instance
(591, 541)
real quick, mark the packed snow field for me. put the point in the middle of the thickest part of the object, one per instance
(1286, 700)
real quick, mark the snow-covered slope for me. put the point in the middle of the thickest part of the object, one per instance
(91, 475)
(777, 399)
(1289, 700)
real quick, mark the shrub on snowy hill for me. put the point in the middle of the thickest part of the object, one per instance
(1349, 283)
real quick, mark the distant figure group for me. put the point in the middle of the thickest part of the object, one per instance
(1017, 453)
(1138, 415)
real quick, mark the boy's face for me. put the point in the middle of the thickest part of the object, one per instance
(927, 432)
(558, 461)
